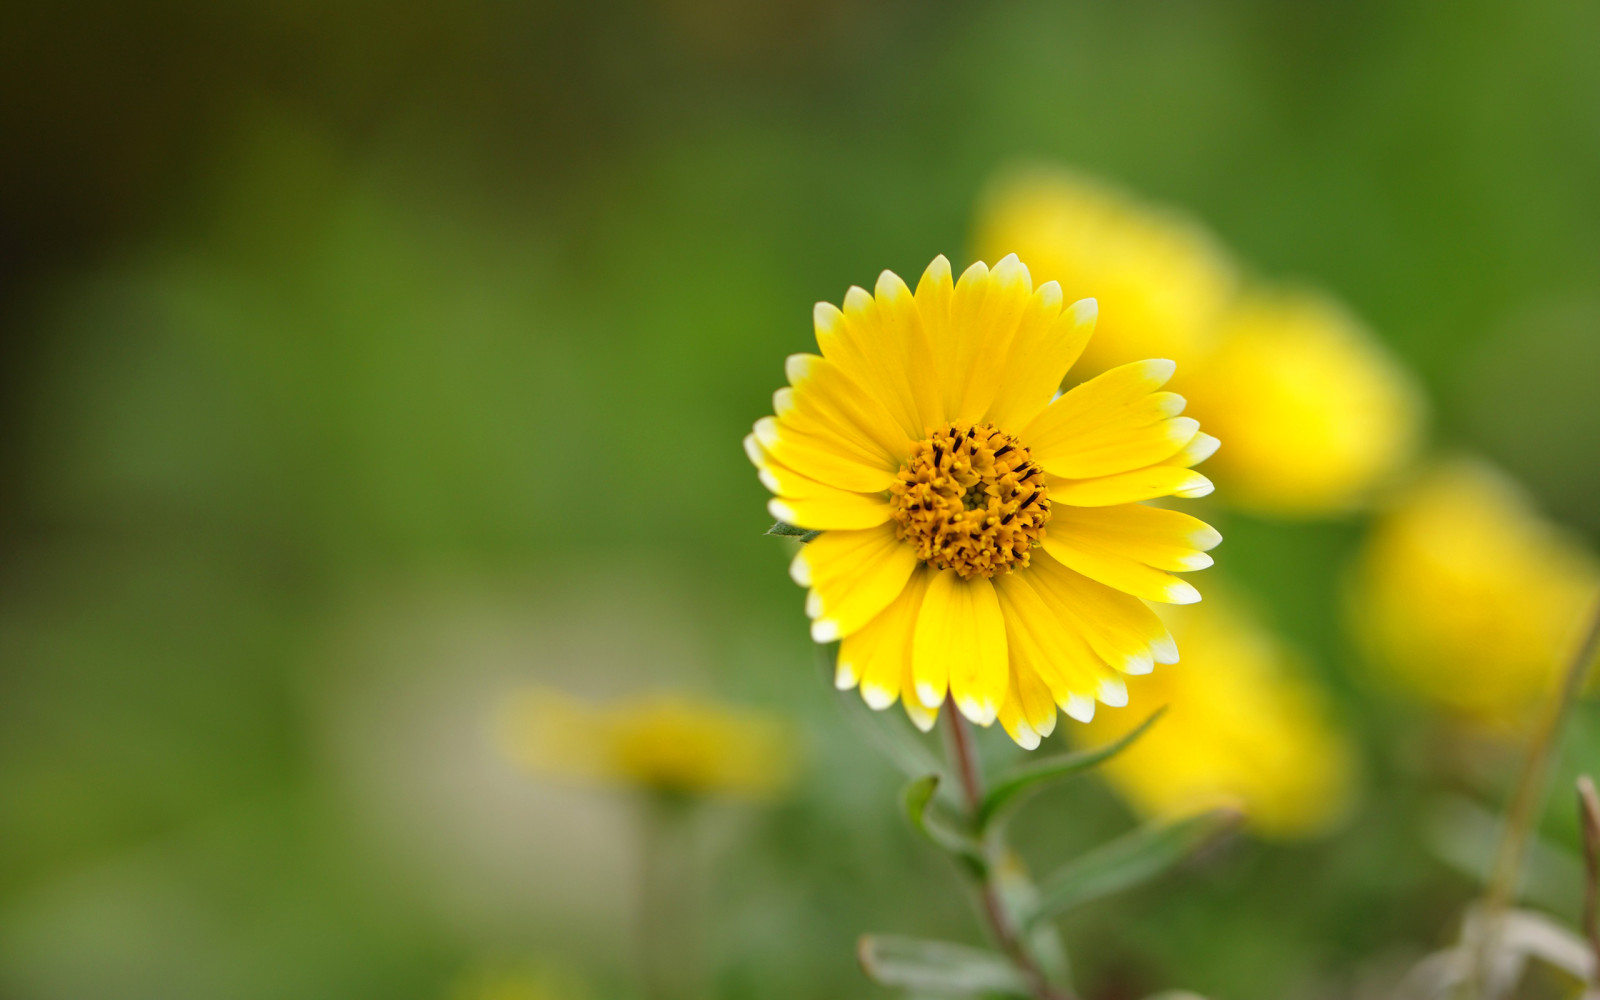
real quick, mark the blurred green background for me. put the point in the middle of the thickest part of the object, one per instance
(363, 362)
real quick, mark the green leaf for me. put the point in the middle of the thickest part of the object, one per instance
(939, 968)
(929, 821)
(1014, 787)
(790, 531)
(1130, 861)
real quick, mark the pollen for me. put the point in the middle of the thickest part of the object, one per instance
(970, 499)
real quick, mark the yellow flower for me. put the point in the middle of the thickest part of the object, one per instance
(1161, 279)
(1314, 411)
(979, 540)
(663, 742)
(1242, 728)
(1468, 598)
(518, 981)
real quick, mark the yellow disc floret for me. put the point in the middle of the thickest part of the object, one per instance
(970, 499)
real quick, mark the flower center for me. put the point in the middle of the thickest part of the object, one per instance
(970, 499)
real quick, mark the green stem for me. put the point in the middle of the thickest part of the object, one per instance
(665, 924)
(1527, 800)
(965, 757)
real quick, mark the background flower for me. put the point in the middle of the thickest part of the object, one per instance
(1316, 411)
(1468, 598)
(666, 743)
(1244, 725)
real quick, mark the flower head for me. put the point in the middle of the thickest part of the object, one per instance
(1314, 410)
(1468, 598)
(982, 538)
(1242, 727)
(665, 742)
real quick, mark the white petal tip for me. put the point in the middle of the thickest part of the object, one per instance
(1164, 650)
(1138, 666)
(780, 510)
(1080, 708)
(1182, 593)
(845, 676)
(1114, 693)
(981, 713)
(1200, 486)
(1046, 726)
(800, 570)
(1160, 369)
(878, 698)
(1201, 448)
(928, 695)
(1181, 430)
(922, 718)
(1085, 310)
(824, 630)
(1025, 737)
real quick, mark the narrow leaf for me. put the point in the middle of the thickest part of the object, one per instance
(1130, 861)
(1016, 785)
(937, 967)
(931, 823)
(790, 531)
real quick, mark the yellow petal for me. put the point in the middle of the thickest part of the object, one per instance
(841, 512)
(824, 459)
(1048, 343)
(879, 342)
(933, 296)
(960, 642)
(987, 308)
(825, 399)
(1045, 643)
(1129, 487)
(1155, 536)
(1120, 629)
(920, 715)
(806, 503)
(1127, 575)
(1111, 424)
(879, 655)
(1038, 704)
(1015, 720)
(853, 575)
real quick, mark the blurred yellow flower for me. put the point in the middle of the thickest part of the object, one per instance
(1161, 279)
(982, 539)
(1468, 598)
(521, 981)
(1314, 410)
(664, 742)
(1243, 727)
